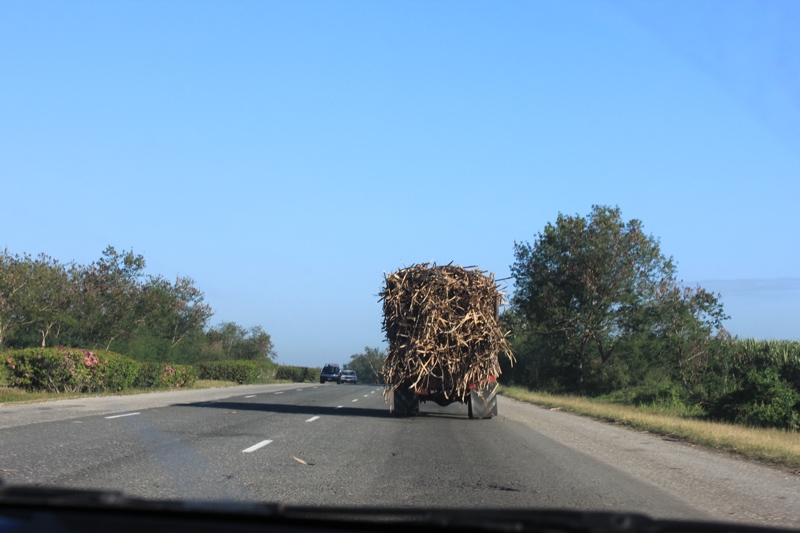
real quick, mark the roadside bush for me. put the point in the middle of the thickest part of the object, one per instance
(68, 370)
(297, 374)
(764, 400)
(241, 372)
(73, 370)
(5, 374)
(120, 372)
(159, 375)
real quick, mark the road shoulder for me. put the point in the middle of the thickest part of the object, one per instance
(727, 487)
(13, 415)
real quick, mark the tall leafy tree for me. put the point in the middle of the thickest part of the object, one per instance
(36, 297)
(112, 303)
(13, 280)
(368, 365)
(110, 295)
(173, 310)
(229, 340)
(587, 283)
(49, 296)
(686, 320)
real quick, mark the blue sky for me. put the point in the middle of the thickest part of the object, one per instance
(286, 154)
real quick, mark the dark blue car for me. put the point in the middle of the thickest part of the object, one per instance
(329, 373)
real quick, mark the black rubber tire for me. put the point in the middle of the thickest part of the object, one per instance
(405, 402)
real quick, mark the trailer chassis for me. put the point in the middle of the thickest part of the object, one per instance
(481, 399)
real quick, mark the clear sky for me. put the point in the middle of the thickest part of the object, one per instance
(286, 154)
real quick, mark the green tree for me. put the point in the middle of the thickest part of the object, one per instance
(110, 296)
(113, 302)
(687, 321)
(48, 297)
(36, 297)
(368, 365)
(588, 284)
(13, 280)
(172, 311)
(229, 340)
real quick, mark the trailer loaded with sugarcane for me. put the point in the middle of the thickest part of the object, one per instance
(444, 337)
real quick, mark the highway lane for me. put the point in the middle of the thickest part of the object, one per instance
(339, 445)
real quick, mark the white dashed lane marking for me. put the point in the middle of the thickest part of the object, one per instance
(251, 396)
(299, 389)
(338, 406)
(312, 419)
(355, 400)
(126, 414)
(254, 447)
(279, 392)
(366, 396)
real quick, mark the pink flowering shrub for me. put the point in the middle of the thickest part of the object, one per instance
(69, 370)
(89, 358)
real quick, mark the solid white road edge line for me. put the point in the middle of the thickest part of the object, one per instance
(254, 447)
(312, 419)
(126, 414)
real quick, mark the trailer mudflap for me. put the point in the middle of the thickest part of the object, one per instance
(482, 402)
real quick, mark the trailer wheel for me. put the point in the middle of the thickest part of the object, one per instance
(406, 403)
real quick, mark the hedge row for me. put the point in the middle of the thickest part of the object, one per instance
(298, 374)
(72, 370)
(255, 372)
(159, 375)
(239, 371)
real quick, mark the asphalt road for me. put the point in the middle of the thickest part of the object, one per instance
(339, 445)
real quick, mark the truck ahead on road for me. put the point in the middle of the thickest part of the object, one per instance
(444, 337)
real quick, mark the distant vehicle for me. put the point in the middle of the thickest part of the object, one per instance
(348, 376)
(329, 373)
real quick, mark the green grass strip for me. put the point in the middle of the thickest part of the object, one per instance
(768, 445)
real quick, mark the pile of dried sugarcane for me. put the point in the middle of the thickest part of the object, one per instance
(442, 327)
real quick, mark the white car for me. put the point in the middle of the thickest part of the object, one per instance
(348, 376)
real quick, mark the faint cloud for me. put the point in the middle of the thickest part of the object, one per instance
(733, 286)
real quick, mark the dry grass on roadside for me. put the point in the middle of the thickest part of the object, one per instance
(11, 394)
(212, 384)
(769, 445)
